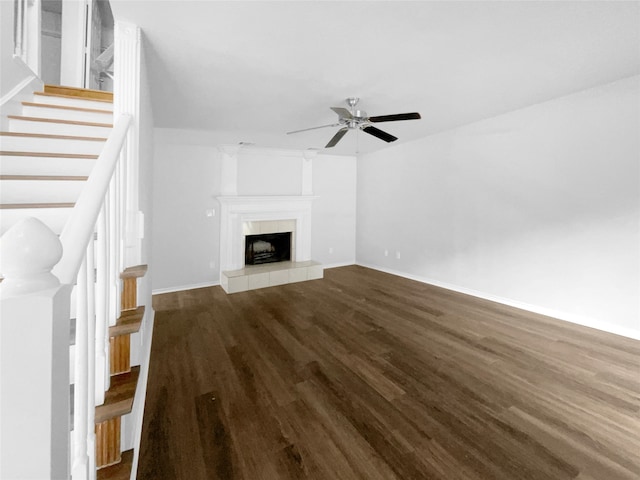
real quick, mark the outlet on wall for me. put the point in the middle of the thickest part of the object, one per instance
(212, 265)
(330, 249)
(397, 255)
(386, 252)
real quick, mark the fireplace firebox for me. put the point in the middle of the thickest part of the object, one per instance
(267, 248)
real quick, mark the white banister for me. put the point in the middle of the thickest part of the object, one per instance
(28, 252)
(34, 355)
(35, 300)
(80, 227)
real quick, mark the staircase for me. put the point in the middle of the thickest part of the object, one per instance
(48, 153)
(111, 462)
(46, 159)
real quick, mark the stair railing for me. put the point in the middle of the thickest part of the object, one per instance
(37, 302)
(26, 32)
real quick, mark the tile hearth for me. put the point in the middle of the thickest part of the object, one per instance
(252, 277)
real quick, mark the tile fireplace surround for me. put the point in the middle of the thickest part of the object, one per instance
(244, 215)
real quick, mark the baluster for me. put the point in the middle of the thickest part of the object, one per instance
(114, 236)
(80, 465)
(18, 27)
(125, 221)
(91, 356)
(102, 291)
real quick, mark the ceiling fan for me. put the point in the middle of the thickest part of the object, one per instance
(359, 120)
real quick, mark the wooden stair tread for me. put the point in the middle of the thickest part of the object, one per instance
(128, 323)
(44, 177)
(136, 271)
(9, 153)
(119, 471)
(75, 92)
(118, 399)
(57, 120)
(8, 206)
(55, 137)
(65, 107)
(58, 95)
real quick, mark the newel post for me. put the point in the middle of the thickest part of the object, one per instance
(34, 355)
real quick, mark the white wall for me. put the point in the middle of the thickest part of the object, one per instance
(186, 182)
(334, 212)
(538, 207)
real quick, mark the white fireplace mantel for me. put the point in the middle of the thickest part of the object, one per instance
(235, 211)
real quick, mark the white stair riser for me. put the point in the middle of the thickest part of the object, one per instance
(16, 125)
(45, 166)
(72, 102)
(54, 218)
(10, 143)
(63, 114)
(40, 191)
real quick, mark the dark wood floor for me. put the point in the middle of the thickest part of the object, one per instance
(364, 375)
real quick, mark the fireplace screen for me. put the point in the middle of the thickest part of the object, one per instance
(267, 248)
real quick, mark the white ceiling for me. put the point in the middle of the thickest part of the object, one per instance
(251, 71)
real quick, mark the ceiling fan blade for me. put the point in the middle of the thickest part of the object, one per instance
(396, 117)
(314, 128)
(336, 138)
(342, 112)
(376, 132)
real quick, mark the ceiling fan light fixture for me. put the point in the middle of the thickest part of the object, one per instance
(359, 120)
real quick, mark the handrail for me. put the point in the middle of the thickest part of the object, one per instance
(79, 228)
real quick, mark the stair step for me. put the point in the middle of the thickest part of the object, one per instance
(41, 165)
(128, 323)
(119, 471)
(53, 215)
(71, 101)
(39, 191)
(63, 112)
(19, 123)
(20, 206)
(79, 92)
(48, 155)
(72, 178)
(56, 137)
(39, 143)
(118, 399)
(136, 271)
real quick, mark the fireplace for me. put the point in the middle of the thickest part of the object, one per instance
(267, 248)
(267, 217)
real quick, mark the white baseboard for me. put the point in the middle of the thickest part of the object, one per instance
(179, 288)
(567, 317)
(341, 264)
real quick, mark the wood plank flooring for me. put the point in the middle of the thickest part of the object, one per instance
(364, 375)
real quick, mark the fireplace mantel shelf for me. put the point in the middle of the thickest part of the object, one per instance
(262, 199)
